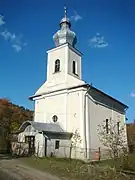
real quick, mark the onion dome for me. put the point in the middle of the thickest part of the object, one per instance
(65, 35)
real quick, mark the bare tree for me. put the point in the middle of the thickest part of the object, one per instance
(76, 139)
(113, 137)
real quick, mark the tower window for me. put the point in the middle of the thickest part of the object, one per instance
(57, 65)
(74, 67)
(107, 129)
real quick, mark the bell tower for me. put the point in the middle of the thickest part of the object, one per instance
(64, 60)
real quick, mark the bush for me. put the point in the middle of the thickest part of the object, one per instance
(106, 173)
(126, 163)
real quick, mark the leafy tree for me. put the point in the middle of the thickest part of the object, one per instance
(131, 137)
(11, 117)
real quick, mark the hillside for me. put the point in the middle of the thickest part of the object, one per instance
(11, 117)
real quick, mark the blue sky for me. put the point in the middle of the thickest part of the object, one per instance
(106, 37)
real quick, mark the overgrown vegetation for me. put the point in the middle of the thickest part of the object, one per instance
(76, 169)
(123, 163)
(131, 137)
(11, 117)
(113, 137)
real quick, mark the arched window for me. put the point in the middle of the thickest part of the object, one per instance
(57, 65)
(74, 67)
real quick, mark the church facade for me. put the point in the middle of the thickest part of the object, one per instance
(65, 104)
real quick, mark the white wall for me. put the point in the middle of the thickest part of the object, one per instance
(39, 140)
(60, 53)
(73, 56)
(63, 150)
(68, 106)
(49, 106)
(66, 55)
(40, 145)
(96, 114)
(64, 78)
(75, 113)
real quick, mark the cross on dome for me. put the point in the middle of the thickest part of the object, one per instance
(65, 11)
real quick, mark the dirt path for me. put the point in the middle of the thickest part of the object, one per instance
(15, 169)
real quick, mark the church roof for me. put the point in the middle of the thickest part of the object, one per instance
(88, 86)
(106, 95)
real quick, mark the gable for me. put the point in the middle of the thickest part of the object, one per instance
(30, 128)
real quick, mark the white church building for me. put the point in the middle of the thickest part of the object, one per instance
(65, 103)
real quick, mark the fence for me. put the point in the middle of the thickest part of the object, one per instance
(63, 151)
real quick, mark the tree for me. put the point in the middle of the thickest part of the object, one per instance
(75, 140)
(131, 136)
(11, 117)
(5, 120)
(114, 138)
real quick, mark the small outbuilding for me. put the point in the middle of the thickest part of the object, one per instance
(45, 139)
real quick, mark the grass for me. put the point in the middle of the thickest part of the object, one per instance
(121, 163)
(64, 168)
(75, 169)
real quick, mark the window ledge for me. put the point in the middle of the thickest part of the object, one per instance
(75, 74)
(56, 72)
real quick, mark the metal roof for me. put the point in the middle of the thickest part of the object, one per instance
(85, 86)
(42, 127)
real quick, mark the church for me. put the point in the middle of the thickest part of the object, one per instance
(66, 104)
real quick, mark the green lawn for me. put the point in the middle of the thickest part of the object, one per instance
(74, 169)
(122, 163)
(64, 168)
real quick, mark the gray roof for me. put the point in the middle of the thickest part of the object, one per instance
(83, 85)
(42, 127)
(47, 127)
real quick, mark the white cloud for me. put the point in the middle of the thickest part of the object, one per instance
(76, 17)
(98, 41)
(8, 35)
(16, 41)
(16, 47)
(133, 94)
(2, 22)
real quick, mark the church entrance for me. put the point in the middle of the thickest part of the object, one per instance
(31, 144)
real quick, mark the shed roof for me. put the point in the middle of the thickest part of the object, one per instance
(42, 127)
